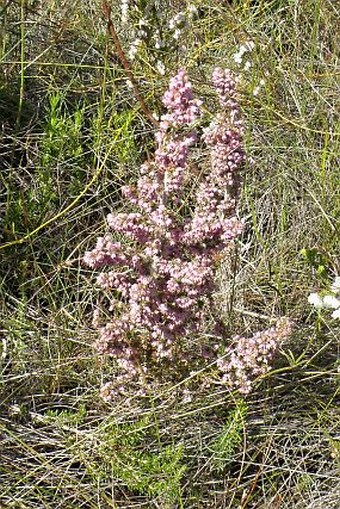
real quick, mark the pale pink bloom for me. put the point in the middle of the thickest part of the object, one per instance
(249, 358)
(162, 271)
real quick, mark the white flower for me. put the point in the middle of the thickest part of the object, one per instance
(238, 57)
(192, 10)
(315, 300)
(336, 313)
(247, 66)
(125, 11)
(160, 68)
(248, 46)
(177, 34)
(257, 89)
(157, 39)
(125, 18)
(245, 48)
(143, 22)
(335, 287)
(177, 21)
(331, 302)
(134, 48)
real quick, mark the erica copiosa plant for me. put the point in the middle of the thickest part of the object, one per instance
(159, 263)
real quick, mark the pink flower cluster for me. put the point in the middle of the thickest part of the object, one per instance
(249, 358)
(182, 108)
(161, 275)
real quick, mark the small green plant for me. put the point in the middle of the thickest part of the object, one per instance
(231, 436)
(126, 149)
(123, 451)
(67, 417)
(62, 148)
(63, 131)
(316, 260)
(59, 172)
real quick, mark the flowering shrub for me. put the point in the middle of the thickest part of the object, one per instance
(329, 300)
(155, 30)
(249, 358)
(161, 274)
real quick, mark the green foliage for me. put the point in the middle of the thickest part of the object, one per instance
(123, 452)
(61, 150)
(126, 148)
(67, 417)
(61, 160)
(230, 438)
(318, 261)
(63, 132)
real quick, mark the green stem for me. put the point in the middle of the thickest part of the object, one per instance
(22, 61)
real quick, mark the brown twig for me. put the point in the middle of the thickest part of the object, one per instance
(107, 13)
